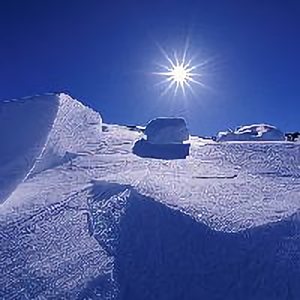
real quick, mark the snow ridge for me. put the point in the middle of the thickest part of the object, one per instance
(70, 136)
(29, 122)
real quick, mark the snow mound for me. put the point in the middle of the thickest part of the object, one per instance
(29, 122)
(47, 131)
(256, 132)
(167, 131)
(71, 134)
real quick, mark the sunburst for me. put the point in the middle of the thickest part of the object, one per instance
(179, 73)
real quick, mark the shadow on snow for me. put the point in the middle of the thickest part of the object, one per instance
(143, 148)
(162, 254)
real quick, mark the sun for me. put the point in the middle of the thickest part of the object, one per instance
(179, 73)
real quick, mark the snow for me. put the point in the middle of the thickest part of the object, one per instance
(70, 135)
(28, 122)
(256, 132)
(167, 131)
(88, 217)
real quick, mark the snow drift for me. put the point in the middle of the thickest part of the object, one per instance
(87, 218)
(21, 142)
(39, 133)
(257, 132)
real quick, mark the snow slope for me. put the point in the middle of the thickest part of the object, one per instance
(28, 122)
(87, 218)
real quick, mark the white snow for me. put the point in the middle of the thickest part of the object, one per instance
(167, 131)
(256, 132)
(55, 162)
(75, 151)
(73, 133)
(24, 127)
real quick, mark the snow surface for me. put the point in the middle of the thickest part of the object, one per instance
(86, 218)
(24, 128)
(256, 132)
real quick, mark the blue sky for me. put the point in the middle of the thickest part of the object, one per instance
(103, 53)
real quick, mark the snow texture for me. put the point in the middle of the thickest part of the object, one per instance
(256, 132)
(24, 127)
(167, 131)
(85, 217)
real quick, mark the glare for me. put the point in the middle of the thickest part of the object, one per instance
(179, 73)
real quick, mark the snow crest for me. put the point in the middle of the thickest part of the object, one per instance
(256, 132)
(71, 134)
(24, 127)
(48, 130)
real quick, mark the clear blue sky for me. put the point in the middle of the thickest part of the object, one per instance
(103, 52)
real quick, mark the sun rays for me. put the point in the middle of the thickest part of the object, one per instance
(179, 73)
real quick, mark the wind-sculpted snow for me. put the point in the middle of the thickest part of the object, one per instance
(230, 187)
(50, 254)
(107, 204)
(74, 132)
(164, 254)
(90, 219)
(24, 127)
(256, 132)
(42, 132)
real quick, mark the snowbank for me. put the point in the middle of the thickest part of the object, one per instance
(24, 127)
(89, 219)
(163, 254)
(40, 132)
(167, 131)
(75, 129)
(256, 132)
